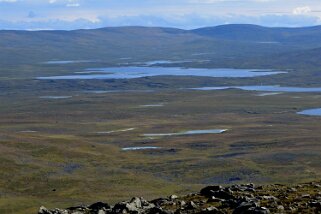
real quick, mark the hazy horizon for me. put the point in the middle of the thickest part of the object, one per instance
(142, 26)
(184, 14)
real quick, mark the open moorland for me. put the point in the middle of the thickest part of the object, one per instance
(67, 142)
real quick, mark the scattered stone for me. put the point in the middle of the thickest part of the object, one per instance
(191, 206)
(182, 203)
(43, 210)
(244, 207)
(316, 204)
(99, 206)
(306, 196)
(214, 199)
(157, 210)
(208, 191)
(293, 190)
(280, 208)
(173, 197)
(269, 198)
(236, 199)
(210, 210)
(223, 195)
(258, 210)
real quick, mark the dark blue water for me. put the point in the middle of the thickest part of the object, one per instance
(269, 88)
(311, 112)
(138, 72)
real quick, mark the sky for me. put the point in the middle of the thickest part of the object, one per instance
(185, 14)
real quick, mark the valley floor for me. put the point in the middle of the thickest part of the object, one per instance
(68, 148)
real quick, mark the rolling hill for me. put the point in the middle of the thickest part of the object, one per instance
(302, 37)
(142, 42)
(217, 44)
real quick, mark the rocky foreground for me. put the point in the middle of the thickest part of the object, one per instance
(236, 199)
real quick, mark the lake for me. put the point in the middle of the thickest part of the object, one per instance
(138, 72)
(65, 62)
(116, 131)
(268, 88)
(311, 112)
(117, 91)
(191, 132)
(140, 148)
(152, 105)
(55, 97)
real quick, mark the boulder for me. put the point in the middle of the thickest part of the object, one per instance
(191, 206)
(99, 206)
(223, 195)
(156, 210)
(208, 191)
(44, 210)
(209, 210)
(173, 197)
(244, 207)
(258, 210)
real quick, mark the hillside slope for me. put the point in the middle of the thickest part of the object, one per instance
(302, 37)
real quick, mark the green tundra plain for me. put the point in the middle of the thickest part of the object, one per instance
(68, 151)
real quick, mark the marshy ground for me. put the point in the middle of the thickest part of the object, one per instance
(62, 146)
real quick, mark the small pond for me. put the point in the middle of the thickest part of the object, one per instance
(140, 148)
(191, 132)
(311, 112)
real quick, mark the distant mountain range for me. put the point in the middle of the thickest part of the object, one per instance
(224, 43)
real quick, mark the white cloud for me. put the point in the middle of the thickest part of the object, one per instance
(217, 1)
(301, 10)
(8, 1)
(68, 3)
(179, 13)
(73, 5)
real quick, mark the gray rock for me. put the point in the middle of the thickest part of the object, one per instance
(208, 191)
(223, 195)
(191, 205)
(43, 210)
(244, 207)
(269, 198)
(156, 210)
(136, 202)
(316, 204)
(214, 199)
(182, 203)
(306, 196)
(210, 210)
(160, 201)
(280, 207)
(120, 208)
(292, 190)
(173, 197)
(258, 210)
(99, 206)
